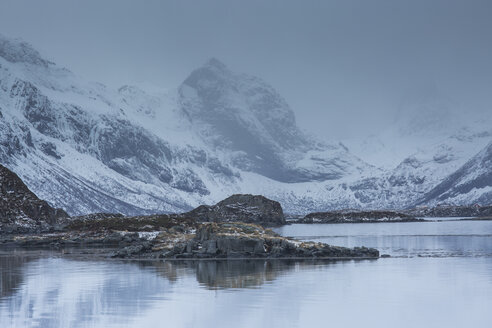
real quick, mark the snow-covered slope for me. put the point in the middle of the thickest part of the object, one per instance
(75, 145)
(86, 148)
(245, 119)
(472, 183)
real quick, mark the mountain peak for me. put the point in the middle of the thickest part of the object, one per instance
(215, 63)
(212, 72)
(19, 51)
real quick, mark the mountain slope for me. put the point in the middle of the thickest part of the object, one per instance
(76, 135)
(472, 183)
(245, 118)
(87, 148)
(133, 152)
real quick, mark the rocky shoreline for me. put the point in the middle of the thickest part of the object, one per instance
(180, 239)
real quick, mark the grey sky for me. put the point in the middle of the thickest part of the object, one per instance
(343, 66)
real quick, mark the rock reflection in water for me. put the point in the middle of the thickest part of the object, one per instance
(59, 292)
(231, 273)
(237, 274)
(11, 273)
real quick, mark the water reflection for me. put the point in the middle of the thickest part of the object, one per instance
(429, 239)
(57, 292)
(60, 292)
(238, 274)
(224, 274)
(11, 275)
(233, 274)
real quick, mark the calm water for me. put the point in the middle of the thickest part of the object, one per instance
(450, 286)
(447, 238)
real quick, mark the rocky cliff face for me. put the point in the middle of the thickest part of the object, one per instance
(241, 208)
(20, 209)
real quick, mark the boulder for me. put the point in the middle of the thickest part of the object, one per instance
(244, 208)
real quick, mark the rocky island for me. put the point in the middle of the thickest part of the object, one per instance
(208, 232)
(357, 216)
(471, 211)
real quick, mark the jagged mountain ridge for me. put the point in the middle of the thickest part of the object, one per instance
(87, 148)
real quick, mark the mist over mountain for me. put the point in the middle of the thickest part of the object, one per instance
(86, 147)
(345, 68)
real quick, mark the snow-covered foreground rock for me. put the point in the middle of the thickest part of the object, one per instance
(87, 148)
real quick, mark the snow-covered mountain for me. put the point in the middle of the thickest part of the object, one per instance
(472, 183)
(245, 119)
(85, 147)
(431, 138)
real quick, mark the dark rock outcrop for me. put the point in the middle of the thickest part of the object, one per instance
(245, 208)
(240, 240)
(21, 210)
(353, 216)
